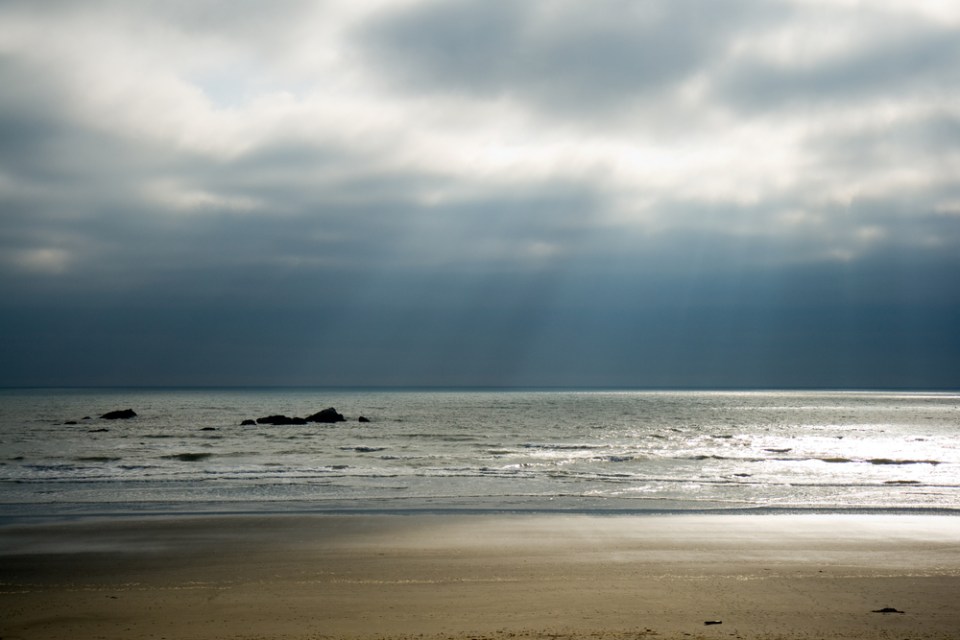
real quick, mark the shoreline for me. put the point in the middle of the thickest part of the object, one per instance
(12, 514)
(494, 576)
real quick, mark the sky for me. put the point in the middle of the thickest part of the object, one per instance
(614, 193)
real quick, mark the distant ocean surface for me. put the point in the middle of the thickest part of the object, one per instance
(590, 451)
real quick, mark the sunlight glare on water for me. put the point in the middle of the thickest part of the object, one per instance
(579, 450)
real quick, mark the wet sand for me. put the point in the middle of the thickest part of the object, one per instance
(482, 576)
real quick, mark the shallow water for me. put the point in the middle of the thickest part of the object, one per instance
(499, 450)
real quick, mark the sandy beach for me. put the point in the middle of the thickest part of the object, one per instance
(482, 576)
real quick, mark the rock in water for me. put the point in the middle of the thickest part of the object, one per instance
(248, 423)
(281, 420)
(121, 414)
(328, 415)
(363, 419)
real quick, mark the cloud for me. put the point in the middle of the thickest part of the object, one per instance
(894, 59)
(478, 191)
(560, 56)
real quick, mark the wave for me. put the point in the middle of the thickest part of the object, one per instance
(440, 437)
(704, 456)
(563, 447)
(188, 457)
(52, 467)
(827, 459)
(878, 461)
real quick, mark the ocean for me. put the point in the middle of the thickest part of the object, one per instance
(477, 450)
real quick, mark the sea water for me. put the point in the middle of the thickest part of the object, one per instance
(610, 451)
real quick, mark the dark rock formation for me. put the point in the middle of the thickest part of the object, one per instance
(328, 415)
(281, 420)
(362, 419)
(121, 414)
(209, 429)
(248, 423)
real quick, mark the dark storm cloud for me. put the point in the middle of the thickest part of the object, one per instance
(561, 56)
(222, 193)
(307, 233)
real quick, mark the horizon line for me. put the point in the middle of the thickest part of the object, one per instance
(381, 387)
